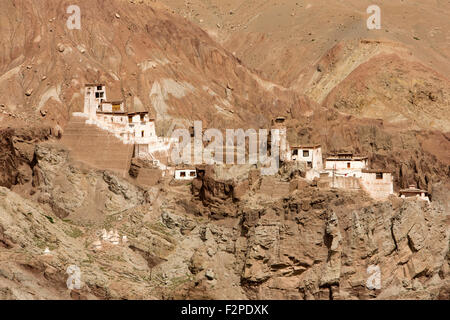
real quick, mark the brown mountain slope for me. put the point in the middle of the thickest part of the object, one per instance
(147, 56)
(312, 46)
(282, 38)
(384, 86)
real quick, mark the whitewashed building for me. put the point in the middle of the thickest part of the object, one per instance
(377, 183)
(311, 154)
(346, 164)
(136, 128)
(415, 193)
(185, 173)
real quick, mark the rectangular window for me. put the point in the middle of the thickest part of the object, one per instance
(305, 153)
(309, 164)
(295, 152)
(99, 87)
(379, 175)
(97, 95)
(182, 174)
(130, 119)
(348, 165)
(192, 174)
(142, 134)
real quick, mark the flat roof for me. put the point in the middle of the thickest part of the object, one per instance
(413, 191)
(376, 171)
(346, 159)
(137, 112)
(112, 112)
(306, 146)
(112, 102)
(94, 84)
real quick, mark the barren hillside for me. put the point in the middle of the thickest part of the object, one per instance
(314, 46)
(230, 233)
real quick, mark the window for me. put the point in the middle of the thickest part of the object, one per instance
(99, 87)
(142, 117)
(182, 174)
(97, 95)
(192, 173)
(142, 133)
(305, 153)
(295, 152)
(379, 175)
(130, 119)
(309, 164)
(348, 165)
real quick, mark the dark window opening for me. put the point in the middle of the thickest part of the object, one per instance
(295, 152)
(182, 174)
(379, 175)
(142, 134)
(192, 174)
(305, 153)
(348, 164)
(99, 87)
(309, 164)
(130, 119)
(142, 117)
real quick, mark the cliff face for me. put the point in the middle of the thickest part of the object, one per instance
(231, 234)
(145, 55)
(311, 244)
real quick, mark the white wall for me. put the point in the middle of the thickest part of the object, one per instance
(187, 174)
(377, 188)
(340, 164)
(91, 103)
(315, 157)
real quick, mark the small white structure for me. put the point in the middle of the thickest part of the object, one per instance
(185, 173)
(115, 238)
(413, 192)
(97, 245)
(47, 251)
(311, 154)
(346, 164)
(377, 183)
(105, 235)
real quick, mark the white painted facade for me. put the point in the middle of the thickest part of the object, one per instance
(413, 193)
(185, 174)
(312, 155)
(131, 127)
(346, 165)
(378, 184)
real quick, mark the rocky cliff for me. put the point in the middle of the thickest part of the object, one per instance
(311, 244)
